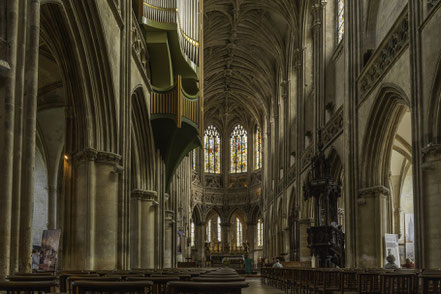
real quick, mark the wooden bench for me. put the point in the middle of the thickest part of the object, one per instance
(206, 287)
(159, 283)
(399, 282)
(139, 287)
(233, 279)
(431, 281)
(12, 287)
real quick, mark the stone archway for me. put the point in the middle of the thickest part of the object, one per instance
(374, 213)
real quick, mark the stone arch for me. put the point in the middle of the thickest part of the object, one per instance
(143, 149)
(255, 214)
(196, 214)
(389, 107)
(433, 124)
(85, 72)
(239, 212)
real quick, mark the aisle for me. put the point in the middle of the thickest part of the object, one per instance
(256, 287)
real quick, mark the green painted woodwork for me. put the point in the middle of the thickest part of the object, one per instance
(174, 143)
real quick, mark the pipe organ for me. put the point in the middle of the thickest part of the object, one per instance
(182, 13)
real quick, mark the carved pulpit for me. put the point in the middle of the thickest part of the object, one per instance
(326, 237)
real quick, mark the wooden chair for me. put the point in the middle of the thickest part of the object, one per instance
(399, 283)
(30, 278)
(201, 279)
(348, 282)
(431, 281)
(139, 287)
(331, 282)
(206, 287)
(72, 279)
(159, 283)
(12, 287)
(369, 282)
(65, 275)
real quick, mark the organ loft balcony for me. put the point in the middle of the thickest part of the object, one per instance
(173, 34)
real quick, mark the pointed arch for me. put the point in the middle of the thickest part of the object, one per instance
(86, 74)
(143, 149)
(433, 124)
(389, 107)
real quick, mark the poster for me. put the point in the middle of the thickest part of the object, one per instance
(391, 246)
(49, 249)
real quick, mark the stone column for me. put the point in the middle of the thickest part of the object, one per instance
(198, 251)
(148, 203)
(18, 137)
(431, 206)
(318, 16)
(8, 72)
(305, 252)
(92, 237)
(372, 224)
(142, 228)
(30, 125)
(252, 240)
(168, 250)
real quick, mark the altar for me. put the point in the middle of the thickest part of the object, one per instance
(235, 261)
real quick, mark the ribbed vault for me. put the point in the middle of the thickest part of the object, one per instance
(247, 52)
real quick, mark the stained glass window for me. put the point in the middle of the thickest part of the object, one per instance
(219, 230)
(192, 234)
(258, 148)
(340, 20)
(259, 233)
(238, 232)
(209, 231)
(212, 150)
(238, 148)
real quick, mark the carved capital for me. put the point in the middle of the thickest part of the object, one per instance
(431, 152)
(144, 195)
(88, 154)
(374, 191)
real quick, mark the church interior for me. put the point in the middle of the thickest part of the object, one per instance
(220, 146)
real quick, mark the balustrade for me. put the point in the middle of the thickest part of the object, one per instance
(175, 101)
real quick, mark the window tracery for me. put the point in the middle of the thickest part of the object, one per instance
(212, 150)
(238, 149)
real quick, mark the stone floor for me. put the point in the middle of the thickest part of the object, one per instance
(256, 287)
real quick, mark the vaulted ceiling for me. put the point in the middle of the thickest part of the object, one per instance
(247, 51)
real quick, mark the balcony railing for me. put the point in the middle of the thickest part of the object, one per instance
(176, 102)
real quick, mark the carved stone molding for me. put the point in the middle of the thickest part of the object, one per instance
(91, 154)
(373, 191)
(384, 57)
(431, 152)
(333, 128)
(146, 195)
(139, 50)
(292, 171)
(108, 157)
(307, 156)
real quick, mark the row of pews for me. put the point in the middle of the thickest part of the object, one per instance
(142, 281)
(363, 281)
